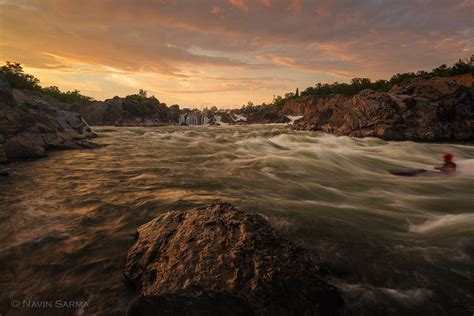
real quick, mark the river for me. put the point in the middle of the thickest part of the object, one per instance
(394, 245)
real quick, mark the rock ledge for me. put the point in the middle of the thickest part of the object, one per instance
(31, 123)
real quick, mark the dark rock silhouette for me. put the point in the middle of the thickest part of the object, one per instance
(219, 260)
(129, 111)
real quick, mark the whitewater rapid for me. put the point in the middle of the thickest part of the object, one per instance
(399, 244)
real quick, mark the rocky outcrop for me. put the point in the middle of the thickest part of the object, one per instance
(433, 109)
(263, 115)
(31, 123)
(129, 111)
(296, 107)
(219, 260)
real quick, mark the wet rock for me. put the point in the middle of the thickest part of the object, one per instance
(27, 145)
(31, 123)
(3, 155)
(295, 107)
(219, 260)
(262, 115)
(421, 109)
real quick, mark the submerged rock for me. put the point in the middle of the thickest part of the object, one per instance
(219, 260)
(435, 109)
(31, 123)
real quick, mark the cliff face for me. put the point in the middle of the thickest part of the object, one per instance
(422, 109)
(128, 111)
(296, 107)
(31, 123)
(264, 115)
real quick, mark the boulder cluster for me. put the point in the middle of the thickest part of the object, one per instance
(31, 123)
(129, 111)
(434, 109)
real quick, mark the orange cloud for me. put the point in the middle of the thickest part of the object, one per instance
(177, 50)
(295, 5)
(215, 10)
(324, 8)
(241, 4)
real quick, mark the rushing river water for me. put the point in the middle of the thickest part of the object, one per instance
(394, 245)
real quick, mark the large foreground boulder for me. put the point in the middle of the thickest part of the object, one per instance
(31, 123)
(434, 109)
(219, 260)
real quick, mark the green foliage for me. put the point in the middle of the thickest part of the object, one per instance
(143, 93)
(326, 90)
(18, 79)
(252, 108)
(142, 98)
(67, 97)
(278, 101)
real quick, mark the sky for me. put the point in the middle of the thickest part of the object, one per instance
(199, 53)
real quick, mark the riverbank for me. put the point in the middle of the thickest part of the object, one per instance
(31, 124)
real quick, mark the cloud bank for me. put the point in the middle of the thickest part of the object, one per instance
(227, 52)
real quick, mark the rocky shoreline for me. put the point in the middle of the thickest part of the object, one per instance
(434, 109)
(31, 124)
(217, 259)
(421, 109)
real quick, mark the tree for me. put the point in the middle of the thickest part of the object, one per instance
(278, 101)
(52, 90)
(17, 78)
(143, 93)
(68, 96)
(462, 67)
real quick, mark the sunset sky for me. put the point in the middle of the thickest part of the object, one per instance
(200, 53)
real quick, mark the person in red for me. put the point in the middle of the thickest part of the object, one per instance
(449, 167)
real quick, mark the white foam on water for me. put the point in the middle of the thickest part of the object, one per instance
(465, 167)
(443, 223)
(410, 296)
(372, 294)
(293, 118)
(238, 117)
